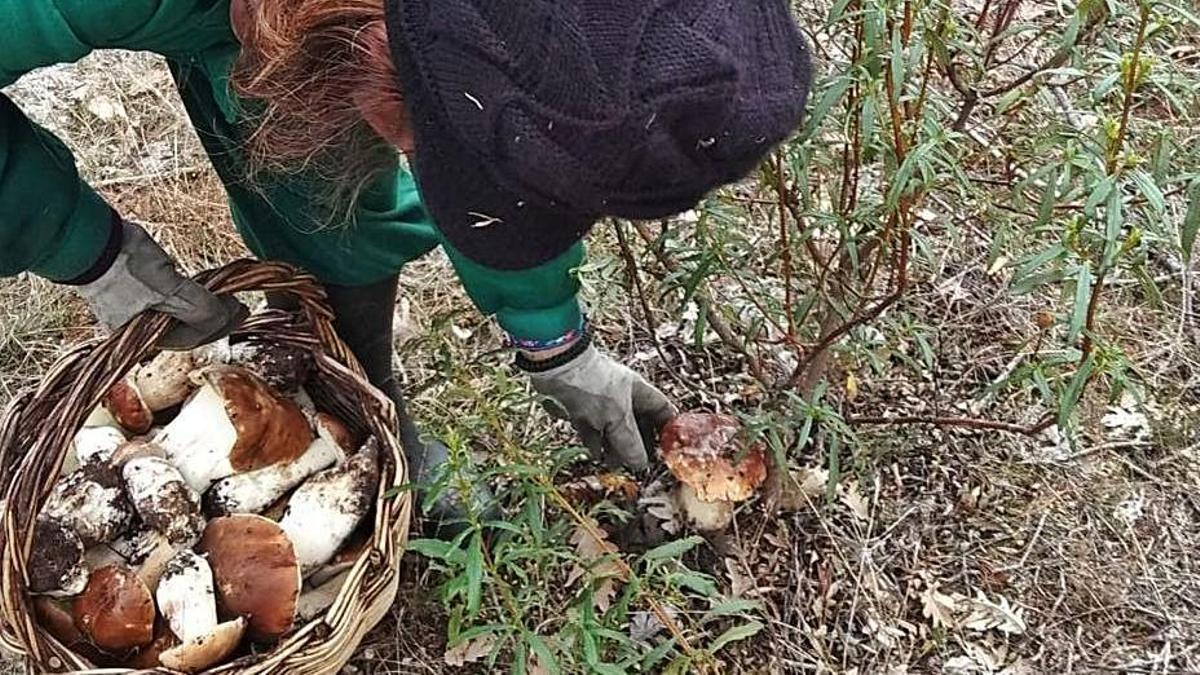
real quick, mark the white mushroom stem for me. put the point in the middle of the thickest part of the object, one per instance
(186, 596)
(199, 439)
(147, 550)
(323, 513)
(255, 491)
(163, 499)
(704, 516)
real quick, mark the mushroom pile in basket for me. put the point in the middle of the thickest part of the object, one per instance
(206, 508)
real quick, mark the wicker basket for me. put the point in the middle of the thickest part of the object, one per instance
(37, 429)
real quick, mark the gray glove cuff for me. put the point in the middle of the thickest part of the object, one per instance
(143, 277)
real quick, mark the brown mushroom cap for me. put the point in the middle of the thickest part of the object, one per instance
(207, 650)
(126, 405)
(55, 617)
(336, 431)
(706, 452)
(270, 429)
(115, 611)
(256, 572)
(150, 656)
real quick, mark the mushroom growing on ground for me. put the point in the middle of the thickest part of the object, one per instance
(256, 573)
(90, 501)
(716, 469)
(234, 423)
(56, 562)
(255, 491)
(163, 499)
(115, 611)
(187, 599)
(324, 512)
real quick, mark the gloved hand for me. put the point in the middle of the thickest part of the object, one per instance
(143, 277)
(614, 409)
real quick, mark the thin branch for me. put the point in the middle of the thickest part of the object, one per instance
(963, 422)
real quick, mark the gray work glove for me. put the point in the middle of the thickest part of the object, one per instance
(615, 410)
(143, 277)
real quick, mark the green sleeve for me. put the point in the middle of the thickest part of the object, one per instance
(533, 304)
(51, 223)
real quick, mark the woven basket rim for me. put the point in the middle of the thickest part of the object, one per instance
(31, 461)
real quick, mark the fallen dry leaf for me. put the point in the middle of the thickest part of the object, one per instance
(854, 500)
(597, 564)
(1001, 615)
(938, 607)
(470, 651)
(664, 509)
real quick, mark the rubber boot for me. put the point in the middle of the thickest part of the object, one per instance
(363, 318)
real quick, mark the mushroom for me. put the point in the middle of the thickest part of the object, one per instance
(90, 501)
(55, 616)
(233, 424)
(283, 367)
(345, 559)
(115, 611)
(320, 597)
(164, 382)
(127, 406)
(96, 444)
(256, 572)
(163, 500)
(150, 656)
(100, 417)
(56, 561)
(255, 491)
(324, 512)
(145, 549)
(715, 468)
(188, 601)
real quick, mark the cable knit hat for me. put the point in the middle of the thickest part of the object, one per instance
(534, 118)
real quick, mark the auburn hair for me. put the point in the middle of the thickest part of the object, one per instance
(307, 70)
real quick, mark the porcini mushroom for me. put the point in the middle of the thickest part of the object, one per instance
(232, 424)
(716, 469)
(56, 561)
(150, 656)
(146, 550)
(165, 381)
(90, 501)
(320, 597)
(96, 444)
(187, 599)
(346, 558)
(256, 573)
(283, 367)
(163, 500)
(55, 616)
(127, 406)
(115, 611)
(324, 512)
(255, 491)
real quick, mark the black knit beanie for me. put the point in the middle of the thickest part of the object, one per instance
(534, 118)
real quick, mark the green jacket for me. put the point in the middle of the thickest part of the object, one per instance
(53, 224)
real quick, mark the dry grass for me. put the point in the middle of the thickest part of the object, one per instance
(967, 552)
